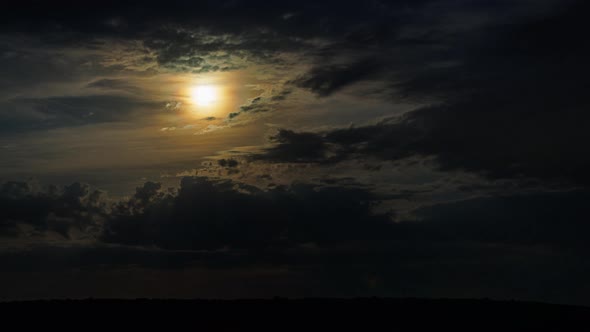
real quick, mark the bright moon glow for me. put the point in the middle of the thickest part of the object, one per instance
(204, 95)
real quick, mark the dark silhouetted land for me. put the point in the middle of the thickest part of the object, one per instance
(281, 314)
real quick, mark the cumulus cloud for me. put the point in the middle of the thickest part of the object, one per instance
(212, 214)
(61, 210)
(208, 213)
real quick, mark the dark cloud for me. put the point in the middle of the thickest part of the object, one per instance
(327, 237)
(514, 108)
(325, 80)
(291, 146)
(255, 105)
(282, 95)
(124, 17)
(261, 104)
(228, 162)
(189, 36)
(209, 214)
(337, 213)
(57, 209)
(517, 152)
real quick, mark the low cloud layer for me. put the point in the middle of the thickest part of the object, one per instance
(325, 233)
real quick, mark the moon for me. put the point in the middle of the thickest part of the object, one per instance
(204, 95)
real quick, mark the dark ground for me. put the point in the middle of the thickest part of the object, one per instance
(308, 314)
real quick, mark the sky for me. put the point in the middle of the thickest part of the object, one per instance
(236, 149)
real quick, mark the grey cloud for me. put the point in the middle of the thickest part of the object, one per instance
(282, 95)
(325, 80)
(291, 146)
(113, 84)
(261, 104)
(57, 209)
(435, 132)
(25, 114)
